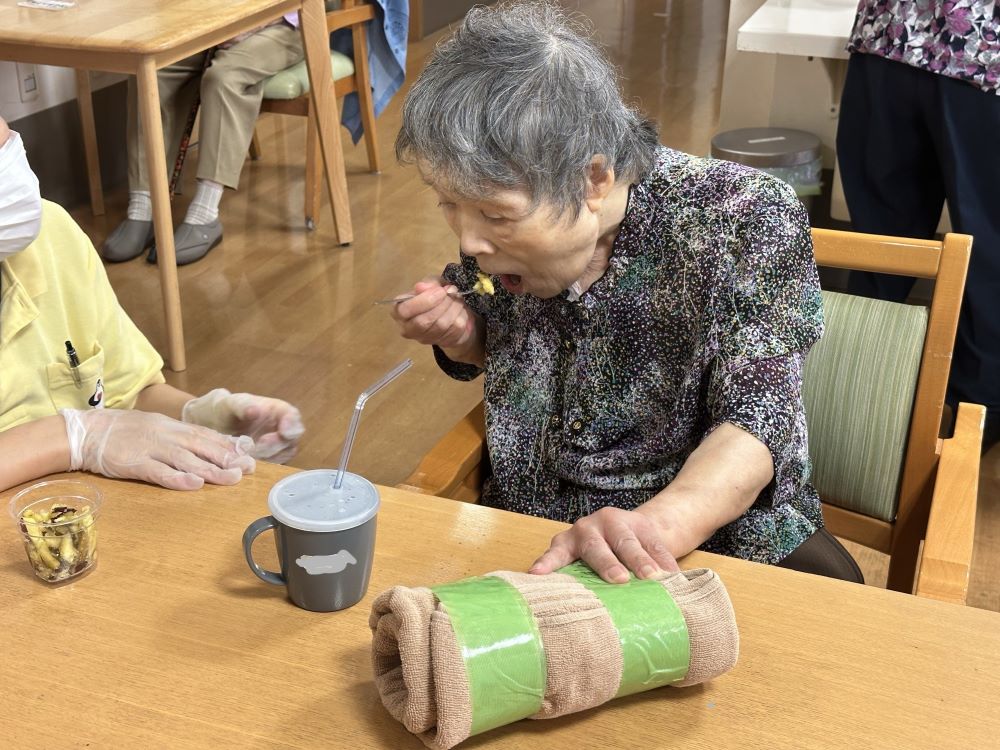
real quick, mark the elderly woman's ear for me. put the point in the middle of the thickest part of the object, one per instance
(600, 181)
(4, 131)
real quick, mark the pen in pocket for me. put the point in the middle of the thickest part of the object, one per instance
(74, 364)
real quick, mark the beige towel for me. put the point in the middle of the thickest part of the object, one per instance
(421, 677)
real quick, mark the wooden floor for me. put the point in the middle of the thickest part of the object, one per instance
(279, 310)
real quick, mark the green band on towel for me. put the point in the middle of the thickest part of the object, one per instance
(650, 625)
(501, 648)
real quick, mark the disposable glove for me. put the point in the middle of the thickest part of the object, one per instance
(275, 425)
(125, 444)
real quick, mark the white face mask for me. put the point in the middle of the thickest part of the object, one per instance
(20, 201)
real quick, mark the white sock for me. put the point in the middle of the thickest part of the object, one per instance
(140, 205)
(204, 209)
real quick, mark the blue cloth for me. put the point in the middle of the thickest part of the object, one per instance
(386, 59)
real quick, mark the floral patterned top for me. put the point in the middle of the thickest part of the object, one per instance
(955, 38)
(704, 316)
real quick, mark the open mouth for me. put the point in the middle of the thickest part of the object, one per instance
(512, 283)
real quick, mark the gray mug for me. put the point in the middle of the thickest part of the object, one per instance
(325, 538)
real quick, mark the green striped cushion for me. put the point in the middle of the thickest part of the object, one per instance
(293, 82)
(859, 384)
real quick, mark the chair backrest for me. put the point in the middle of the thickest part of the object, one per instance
(859, 384)
(861, 389)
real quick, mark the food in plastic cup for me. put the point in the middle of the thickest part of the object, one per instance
(57, 521)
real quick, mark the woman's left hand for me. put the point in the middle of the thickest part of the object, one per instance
(612, 541)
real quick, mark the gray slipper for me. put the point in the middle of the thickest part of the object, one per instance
(128, 240)
(193, 241)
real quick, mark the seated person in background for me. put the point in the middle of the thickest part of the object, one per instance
(113, 414)
(231, 92)
(643, 351)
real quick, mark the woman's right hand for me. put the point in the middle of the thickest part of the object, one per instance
(126, 444)
(434, 318)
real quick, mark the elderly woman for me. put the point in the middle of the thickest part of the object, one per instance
(643, 351)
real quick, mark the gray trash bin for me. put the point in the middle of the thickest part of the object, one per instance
(790, 155)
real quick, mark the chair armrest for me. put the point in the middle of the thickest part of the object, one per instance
(943, 571)
(453, 467)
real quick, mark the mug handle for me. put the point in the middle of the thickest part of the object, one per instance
(253, 531)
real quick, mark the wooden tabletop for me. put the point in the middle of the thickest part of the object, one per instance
(171, 642)
(139, 27)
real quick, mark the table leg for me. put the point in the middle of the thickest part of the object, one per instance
(315, 41)
(152, 128)
(314, 171)
(85, 102)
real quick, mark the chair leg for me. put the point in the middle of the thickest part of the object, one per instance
(903, 554)
(314, 171)
(255, 152)
(365, 97)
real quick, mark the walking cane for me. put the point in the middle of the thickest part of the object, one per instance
(175, 177)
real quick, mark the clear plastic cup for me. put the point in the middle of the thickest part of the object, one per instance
(57, 521)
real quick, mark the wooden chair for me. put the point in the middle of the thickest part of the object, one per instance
(287, 93)
(458, 464)
(851, 415)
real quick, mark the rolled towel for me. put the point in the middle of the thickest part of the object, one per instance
(423, 679)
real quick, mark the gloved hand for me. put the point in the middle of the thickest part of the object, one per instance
(125, 444)
(275, 425)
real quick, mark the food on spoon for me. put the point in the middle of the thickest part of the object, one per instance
(484, 284)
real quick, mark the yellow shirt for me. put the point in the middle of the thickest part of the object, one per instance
(54, 291)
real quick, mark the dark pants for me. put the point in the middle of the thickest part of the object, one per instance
(822, 555)
(907, 141)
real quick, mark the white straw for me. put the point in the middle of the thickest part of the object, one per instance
(355, 418)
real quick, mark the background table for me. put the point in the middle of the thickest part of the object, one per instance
(817, 28)
(172, 642)
(797, 83)
(140, 36)
(808, 29)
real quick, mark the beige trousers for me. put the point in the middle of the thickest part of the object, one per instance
(231, 93)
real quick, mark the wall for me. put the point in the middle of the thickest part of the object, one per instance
(50, 127)
(55, 86)
(427, 16)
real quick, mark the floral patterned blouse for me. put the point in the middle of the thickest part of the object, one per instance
(955, 38)
(704, 316)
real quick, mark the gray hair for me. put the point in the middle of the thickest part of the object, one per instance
(520, 97)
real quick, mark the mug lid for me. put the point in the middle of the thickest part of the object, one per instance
(308, 501)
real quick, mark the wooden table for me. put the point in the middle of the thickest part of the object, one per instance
(139, 37)
(171, 642)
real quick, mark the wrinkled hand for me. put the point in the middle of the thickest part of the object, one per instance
(612, 542)
(275, 425)
(124, 444)
(434, 318)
